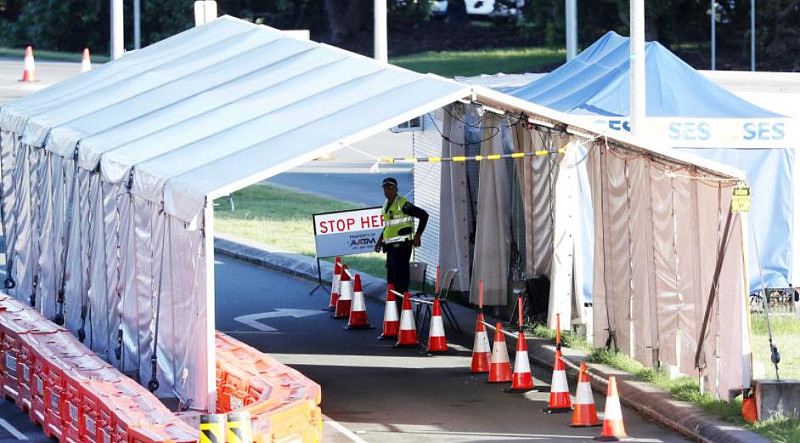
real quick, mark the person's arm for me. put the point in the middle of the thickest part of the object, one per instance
(379, 243)
(422, 215)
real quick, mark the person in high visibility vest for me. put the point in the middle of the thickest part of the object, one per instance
(398, 237)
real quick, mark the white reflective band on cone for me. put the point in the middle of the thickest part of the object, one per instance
(390, 313)
(500, 353)
(481, 342)
(407, 320)
(358, 302)
(583, 394)
(521, 363)
(437, 328)
(337, 283)
(559, 383)
(613, 410)
(346, 291)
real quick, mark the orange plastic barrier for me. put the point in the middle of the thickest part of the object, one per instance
(283, 404)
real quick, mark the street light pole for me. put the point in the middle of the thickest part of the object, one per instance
(117, 35)
(637, 71)
(137, 24)
(571, 13)
(713, 35)
(381, 46)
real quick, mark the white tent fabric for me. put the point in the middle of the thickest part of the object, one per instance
(116, 168)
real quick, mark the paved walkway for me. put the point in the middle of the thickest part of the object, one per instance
(647, 399)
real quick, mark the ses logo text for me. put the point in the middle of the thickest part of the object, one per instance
(705, 130)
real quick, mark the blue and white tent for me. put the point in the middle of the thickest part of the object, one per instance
(690, 112)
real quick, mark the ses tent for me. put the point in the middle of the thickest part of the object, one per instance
(688, 111)
(109, 180)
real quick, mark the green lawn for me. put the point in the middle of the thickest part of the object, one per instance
(785, 333)
(470, 63)
(282, 219)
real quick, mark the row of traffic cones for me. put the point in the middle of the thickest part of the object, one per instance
(584, 413)
(29, 64)
(347, 301)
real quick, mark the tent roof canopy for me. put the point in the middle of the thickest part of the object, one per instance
(219, 107)
(225, 105)
(597, 82)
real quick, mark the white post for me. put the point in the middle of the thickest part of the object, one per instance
(571, 13)
(204, 12)
(713, 35)
(117, 30)
(137, 24)
(211, 354)
(381, 45)
(637, 87)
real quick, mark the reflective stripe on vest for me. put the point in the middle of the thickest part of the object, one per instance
(394, 220)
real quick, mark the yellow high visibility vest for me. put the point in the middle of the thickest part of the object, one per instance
(398, 226)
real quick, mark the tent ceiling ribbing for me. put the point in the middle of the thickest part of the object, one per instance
(220, 107)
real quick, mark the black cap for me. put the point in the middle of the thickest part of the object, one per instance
(390, 181)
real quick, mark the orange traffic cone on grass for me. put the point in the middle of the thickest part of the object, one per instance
(29, 66)
(500, 369)
(391, 322)
(335, 284)
(86, 61)
(436, 339)
(559, 390)
(522, 379)
(358, 311)
(345, 296)
(613, 427)
(584, 414)
(407, 336)
(481, 351)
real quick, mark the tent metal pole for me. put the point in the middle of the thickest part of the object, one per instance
(211, 357)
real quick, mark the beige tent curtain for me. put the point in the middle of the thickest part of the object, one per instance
(653, 280)
(454, 207)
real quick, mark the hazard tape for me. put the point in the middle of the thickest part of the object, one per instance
(463, 158)
(566, 362)
(415, 300)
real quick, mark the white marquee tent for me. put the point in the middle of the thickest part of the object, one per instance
(108, 182)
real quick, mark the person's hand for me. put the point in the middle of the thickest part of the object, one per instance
(417, 242)
(378, 246)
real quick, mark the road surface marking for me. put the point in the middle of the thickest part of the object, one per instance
(252, 320)
(12, 430)
(346, 432)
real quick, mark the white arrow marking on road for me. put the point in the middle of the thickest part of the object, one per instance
(252, 320)
(13, 430)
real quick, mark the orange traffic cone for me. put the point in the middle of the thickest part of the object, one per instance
(346, 296)
(613, 427)
(436, 339)
(585, 413)
(407, 335)
(358, 312)
(391, 322)
(29, 69)
(481, 351)
(335, 284)
(500, 370)
(559, 390)
(522, 379)
(86, 62)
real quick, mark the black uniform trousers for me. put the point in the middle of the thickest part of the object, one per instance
(397, 258)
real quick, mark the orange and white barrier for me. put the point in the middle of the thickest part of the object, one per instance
(407, 336)
(522, 379)
(335, 283)
(500, 369)
(29, 66)
(481, 350)
(613, 427)
(391, 321)
(437, 342)
(559, 390)
(358, 310)
(86, 61)
(584, 414)
(345, 295)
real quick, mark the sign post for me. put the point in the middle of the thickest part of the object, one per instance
(354, 231)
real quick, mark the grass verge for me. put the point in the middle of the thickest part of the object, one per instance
(785, 330)
(685, 388)
(489, 61)
(282, 219)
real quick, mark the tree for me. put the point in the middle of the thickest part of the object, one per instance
(347, 17)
